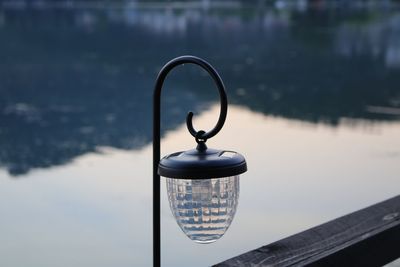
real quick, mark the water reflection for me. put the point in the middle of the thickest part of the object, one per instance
(85, 79)
(96, 211)
(367, 36)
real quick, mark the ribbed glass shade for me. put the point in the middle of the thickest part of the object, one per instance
(204, 209)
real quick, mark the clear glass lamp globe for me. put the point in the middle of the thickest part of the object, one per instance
(204, 209)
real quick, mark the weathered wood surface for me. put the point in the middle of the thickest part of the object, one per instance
(368, 237)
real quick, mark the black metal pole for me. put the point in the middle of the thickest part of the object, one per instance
(197, 134)
(156, 180)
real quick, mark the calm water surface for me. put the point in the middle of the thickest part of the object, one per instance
(315, 108)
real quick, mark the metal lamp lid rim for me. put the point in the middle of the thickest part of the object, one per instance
(202, 164)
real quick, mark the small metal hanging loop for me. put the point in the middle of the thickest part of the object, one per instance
(198, 135)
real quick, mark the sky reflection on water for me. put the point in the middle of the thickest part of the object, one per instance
(315, 110)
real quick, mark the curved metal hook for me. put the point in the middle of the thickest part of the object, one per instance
(199, 135)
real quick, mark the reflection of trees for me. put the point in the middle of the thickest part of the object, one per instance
(378, 37)
(73, 80)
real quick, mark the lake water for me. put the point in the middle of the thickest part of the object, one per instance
(314, 107)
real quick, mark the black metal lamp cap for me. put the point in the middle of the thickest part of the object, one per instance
(204, 163)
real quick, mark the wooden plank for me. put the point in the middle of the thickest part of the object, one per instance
(368, 237)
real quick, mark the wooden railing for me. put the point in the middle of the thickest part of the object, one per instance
(368, 237)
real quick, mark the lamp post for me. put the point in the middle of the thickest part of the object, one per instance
(202, 183)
